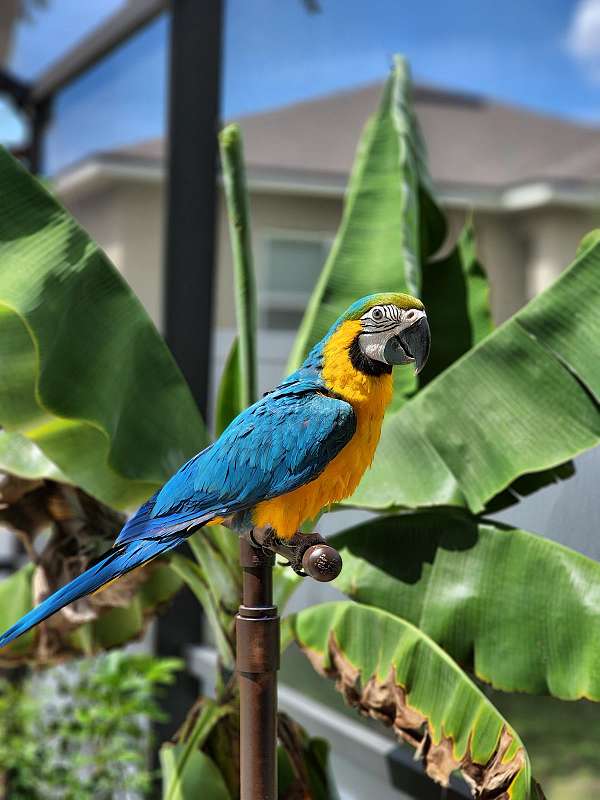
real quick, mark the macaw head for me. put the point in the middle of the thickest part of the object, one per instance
(393, 330)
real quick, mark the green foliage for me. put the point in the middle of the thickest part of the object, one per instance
(234, 180)
(496, 414)
(458, 325)
(382, 240)
(128, 420)
(113, 628)
(522, 401)
(186, 770)
(80, 732)
(466, 583)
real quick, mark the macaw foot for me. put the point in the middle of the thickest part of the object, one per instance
(308, 554)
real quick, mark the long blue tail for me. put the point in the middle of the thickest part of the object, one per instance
(121, 559)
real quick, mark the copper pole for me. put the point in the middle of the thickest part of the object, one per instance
(257, 634)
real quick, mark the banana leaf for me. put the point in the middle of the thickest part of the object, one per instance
(524, 400)
(21, 457)
(86, 377)
(391, 671)
(456, 294)
(187, 771)
(383, 238)
(236, 198)
(229, 394)
(520, 611)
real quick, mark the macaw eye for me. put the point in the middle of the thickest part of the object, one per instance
(377, 314)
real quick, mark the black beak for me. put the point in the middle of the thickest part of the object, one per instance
(412, 345)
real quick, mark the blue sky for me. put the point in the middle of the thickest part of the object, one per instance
(544, 54)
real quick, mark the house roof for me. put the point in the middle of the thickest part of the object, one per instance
(480, 152)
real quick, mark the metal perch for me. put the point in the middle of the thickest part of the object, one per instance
(257, 631)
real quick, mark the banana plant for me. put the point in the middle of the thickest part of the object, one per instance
(440, 595)
(441, 598)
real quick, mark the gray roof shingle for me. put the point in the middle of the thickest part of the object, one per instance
(471, 141)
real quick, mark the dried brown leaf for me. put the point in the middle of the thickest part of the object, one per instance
(386, 702)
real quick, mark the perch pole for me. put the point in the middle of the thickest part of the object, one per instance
(257, 633)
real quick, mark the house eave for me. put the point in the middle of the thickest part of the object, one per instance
(102, 171)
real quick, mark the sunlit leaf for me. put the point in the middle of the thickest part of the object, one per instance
(90, 383)
(383, 237)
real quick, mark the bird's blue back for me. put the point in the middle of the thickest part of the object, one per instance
(279, 443)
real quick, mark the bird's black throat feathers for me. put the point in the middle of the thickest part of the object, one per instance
(366, 365)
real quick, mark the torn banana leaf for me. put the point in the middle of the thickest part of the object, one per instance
(519, 610)
(392, 672)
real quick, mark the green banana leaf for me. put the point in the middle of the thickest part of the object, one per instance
(456, 294)
(393, 672)
(520, 611)
(229, 394)
(21, 457)
(221, 621)
(303, 768)
(187, 771)
(383, 238)
(524, 400)
(113, 628)
(87, 378)
(236, 198)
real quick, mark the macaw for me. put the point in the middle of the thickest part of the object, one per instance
(301, 447)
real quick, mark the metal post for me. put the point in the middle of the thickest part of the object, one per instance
(194, 89)
(39, 119)
(257, 634)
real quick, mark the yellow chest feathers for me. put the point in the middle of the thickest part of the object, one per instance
(369, 397)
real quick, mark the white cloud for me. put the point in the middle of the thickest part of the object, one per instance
(583, 37)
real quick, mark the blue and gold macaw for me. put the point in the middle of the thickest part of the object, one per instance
(303, 446)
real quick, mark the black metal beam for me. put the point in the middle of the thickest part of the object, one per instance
(18, 91)
(194, 91)
(39, 117)
(196, 30)
(98, 43)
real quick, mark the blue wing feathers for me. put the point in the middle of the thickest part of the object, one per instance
(114, 564)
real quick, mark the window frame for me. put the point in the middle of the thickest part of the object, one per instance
(284, 301)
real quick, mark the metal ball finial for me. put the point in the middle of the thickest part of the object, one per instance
(322, 562)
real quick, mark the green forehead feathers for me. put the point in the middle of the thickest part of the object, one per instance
(363, 305)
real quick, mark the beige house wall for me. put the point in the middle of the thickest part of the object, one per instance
(553, 235)
(522, 252)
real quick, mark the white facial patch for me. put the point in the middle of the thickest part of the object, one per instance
(373, 345)
(380, 323)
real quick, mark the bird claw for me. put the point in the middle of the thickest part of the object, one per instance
(300, 572)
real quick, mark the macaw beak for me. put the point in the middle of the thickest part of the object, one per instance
(410, 346)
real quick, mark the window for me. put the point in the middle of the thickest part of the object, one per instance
(291, 265)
